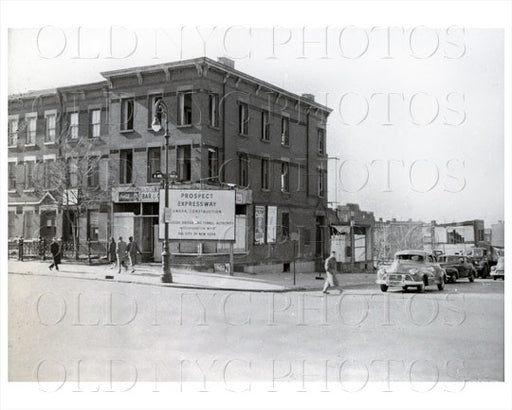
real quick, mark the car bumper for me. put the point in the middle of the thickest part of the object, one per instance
(399, 281)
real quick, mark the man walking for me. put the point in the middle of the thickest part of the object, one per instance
(133, 249)
(330, 271)
(121, 254)
(55, 251)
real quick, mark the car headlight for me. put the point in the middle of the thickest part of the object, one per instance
(413, 271)
(382, 273)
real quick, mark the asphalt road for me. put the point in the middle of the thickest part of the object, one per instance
(72, 329)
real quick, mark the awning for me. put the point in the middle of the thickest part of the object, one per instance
(341, 229)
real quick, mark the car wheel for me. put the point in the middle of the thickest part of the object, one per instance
(421, 288)
(494, 277)
(472, 277)
(384, 288)
(440, 285)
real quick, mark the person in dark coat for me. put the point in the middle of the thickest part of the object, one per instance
(133, 250)
(112, 255)
(55, 251)
(121, 251)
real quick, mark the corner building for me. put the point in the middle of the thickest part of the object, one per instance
(228, 130)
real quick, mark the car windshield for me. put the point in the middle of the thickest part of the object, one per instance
(414, 258)
(476, 253)
(450, 259)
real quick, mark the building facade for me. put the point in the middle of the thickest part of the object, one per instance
(84, 163)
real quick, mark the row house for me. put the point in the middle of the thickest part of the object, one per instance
(84, 162)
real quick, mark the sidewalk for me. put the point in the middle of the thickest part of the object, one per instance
(150, 274)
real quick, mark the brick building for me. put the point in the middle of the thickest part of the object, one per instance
(83, 159)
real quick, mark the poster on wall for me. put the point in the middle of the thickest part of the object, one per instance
(271, 224)
(259, 225)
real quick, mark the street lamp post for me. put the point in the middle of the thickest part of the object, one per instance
(160, 116)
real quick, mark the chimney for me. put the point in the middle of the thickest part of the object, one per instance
(226, 61)
(309, 97)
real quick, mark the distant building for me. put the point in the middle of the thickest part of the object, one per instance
(352, 238)
(498, 234)
(457, 236)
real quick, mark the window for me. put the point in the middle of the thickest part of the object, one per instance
(13, 132)
(184, 162)
(265, 173)
(93, 171)
(243, 170)
(125, 166)
(73, 125)
(72, 172)
(93, 224)
(243, 119)
(265, 126)
(29, 174)
(49, 135)
(154, 155)
(152, 100)
(127, 114)
(285, 176)
(321, 141)
(12, 176)
(94, 123)
(48, 173)
(285, 225)
(321, 182)
(185, 108)
(214, 109)
(31, 129)
(213, 164)
(11, 224)
(285, 131)
(27, 228)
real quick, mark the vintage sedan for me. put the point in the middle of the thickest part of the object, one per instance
(498, 270)
(412, 268)
(457, 267)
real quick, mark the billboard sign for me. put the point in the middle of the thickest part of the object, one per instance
(205, 214)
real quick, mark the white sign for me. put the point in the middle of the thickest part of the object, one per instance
(200, 214)
(271, 224)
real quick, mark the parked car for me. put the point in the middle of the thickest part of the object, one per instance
(498, 271)
(457, 267)
(412, 268)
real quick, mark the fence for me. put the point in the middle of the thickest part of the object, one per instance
(40, 249)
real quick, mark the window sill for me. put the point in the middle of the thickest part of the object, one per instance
(285, 145)
(184, 126)
(126, 131)
(12, 146)
(265, 141)
(243, 135)
(11, 191)
(29, 190)
(50, 143)
(285, 192)
(265, 189)
(30, 145)
(213, 127)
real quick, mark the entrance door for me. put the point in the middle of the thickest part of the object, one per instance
(123, 225)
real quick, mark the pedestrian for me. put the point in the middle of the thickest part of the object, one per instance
(133, 249)
(330, 271)
(55, 251)
(111, 250)
(121, 254)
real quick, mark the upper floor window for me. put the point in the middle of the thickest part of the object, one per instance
(94, 123)
(31, 120)
(152, 100)
(321, 141)
(125, 166)
(213, 104)
(321, 182)
(185, 108)
(93, 171)
(72, 172)
(184, 159)
(29, 174)
(49, 135)
(285, 176)
(49, 173)
(154, 154)
(73, 125)
(243, 119)
(285, 131)
(12, 135)
(265, 173)
(12, 176)
(265, 126)
(243, 170)
(213, 164)
(127, 114)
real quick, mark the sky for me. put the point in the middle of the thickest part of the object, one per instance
(417, 127)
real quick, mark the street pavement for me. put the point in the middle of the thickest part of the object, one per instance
(76, 325)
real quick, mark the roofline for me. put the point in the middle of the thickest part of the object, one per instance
(57, 90)
(211, 63)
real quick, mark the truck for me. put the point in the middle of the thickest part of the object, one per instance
(484, 257)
